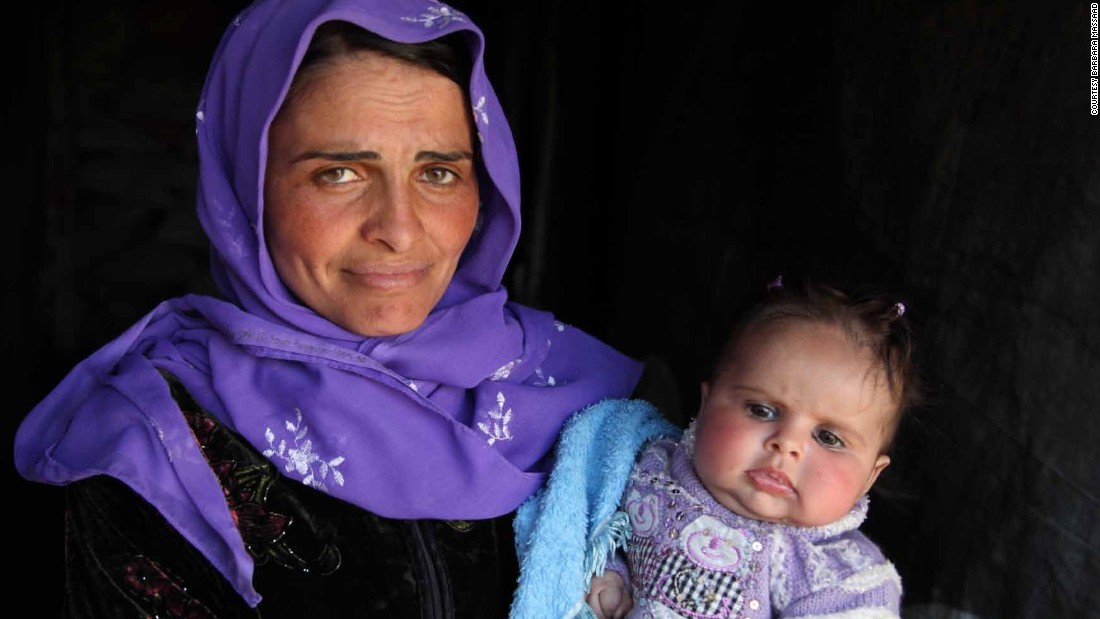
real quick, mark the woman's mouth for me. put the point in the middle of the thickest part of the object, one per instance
(389, 276)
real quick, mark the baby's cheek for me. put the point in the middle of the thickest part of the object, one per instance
(838, 485)
(714, 452)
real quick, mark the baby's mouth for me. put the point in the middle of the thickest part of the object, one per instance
(772, 481)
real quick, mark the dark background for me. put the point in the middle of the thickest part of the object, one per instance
(675, 159)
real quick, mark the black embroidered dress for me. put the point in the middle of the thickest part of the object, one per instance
(316, 556)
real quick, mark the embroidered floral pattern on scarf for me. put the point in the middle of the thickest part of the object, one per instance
(299, 457)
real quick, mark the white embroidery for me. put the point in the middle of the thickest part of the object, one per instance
(559, 326)
(415, 387)
(300, 458)
(499, 430)
(544, 380)
(225, 220)
(439, 13)
(479, 111)
(243, 14)
(200, 116)
(505, 370)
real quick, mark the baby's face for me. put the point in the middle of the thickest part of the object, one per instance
(792, 429)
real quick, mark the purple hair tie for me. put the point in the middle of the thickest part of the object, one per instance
(775, 283)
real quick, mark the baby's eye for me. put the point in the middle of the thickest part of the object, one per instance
(829, 439)
(337, 176)
(762, 411)
(439, 176)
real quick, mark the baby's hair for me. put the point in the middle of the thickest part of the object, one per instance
(874, 321)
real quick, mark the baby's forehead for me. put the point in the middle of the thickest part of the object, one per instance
(794, 335)
(792, 331)
(777, 356)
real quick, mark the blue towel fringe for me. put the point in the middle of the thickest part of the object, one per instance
(611, 535)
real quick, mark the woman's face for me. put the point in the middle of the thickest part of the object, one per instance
(370, 192)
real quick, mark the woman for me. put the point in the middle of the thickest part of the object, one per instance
(348, 431)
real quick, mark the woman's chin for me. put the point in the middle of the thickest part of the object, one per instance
(384, 321)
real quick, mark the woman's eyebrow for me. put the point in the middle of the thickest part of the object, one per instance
(370, 155)
(450, 155)
(358, 155)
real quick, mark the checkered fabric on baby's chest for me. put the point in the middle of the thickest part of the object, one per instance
(684, 563)
(677, 583)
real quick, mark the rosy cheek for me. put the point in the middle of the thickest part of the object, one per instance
(719, 446)
(843, 478)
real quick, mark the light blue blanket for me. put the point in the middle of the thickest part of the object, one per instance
(567, 530)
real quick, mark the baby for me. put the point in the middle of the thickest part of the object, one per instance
(755, 511)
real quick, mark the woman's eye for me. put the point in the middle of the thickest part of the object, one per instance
(439, 176)
(829, 439)
(762, 411)
(338, 176)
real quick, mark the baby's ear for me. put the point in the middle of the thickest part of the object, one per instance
(704, 390)
(880, 463)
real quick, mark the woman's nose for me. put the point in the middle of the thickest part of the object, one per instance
(393, 219)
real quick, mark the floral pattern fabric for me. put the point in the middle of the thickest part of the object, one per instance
(316, 556)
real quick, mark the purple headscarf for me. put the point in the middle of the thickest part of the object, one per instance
(452, 420)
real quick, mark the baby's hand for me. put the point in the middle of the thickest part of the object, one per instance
(608, 597)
